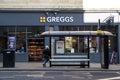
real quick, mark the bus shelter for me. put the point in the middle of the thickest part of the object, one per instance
(102, 35)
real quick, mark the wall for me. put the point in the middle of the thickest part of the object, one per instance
(93, 17)
(41, 3)
(101, 4)
(85, 4)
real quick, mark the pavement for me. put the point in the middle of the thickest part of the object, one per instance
(37, 66)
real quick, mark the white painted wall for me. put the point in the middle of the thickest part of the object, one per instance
(101, 4)
(93, 17)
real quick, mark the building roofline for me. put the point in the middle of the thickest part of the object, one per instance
(40, 10)
(81, 10)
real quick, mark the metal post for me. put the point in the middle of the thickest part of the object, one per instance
(47, 39)
(88, 52)
(27, 43)
(50, 51)
(119, 36)
(98, 38)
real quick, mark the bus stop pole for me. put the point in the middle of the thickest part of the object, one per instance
(98, 38)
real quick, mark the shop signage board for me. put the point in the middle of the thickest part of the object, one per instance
(58, 19)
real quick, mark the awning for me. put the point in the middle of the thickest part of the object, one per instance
(76, 33)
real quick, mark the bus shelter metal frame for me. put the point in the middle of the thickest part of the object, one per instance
(103, 34)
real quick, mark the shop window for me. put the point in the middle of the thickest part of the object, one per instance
(93, 46)
(34, 31)
(71, 44)
(81, 44)
(68, 44)
(20, 39)
(3, 38)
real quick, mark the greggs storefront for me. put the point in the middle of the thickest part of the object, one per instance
(27, 25)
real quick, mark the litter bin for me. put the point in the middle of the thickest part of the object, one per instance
(8, 58)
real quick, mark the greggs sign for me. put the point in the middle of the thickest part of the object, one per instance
(57, 19)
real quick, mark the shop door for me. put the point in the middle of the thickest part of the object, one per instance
(35, 48)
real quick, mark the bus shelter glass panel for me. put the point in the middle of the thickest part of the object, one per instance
(79, 44)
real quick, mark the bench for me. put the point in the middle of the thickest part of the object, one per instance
(69, 60)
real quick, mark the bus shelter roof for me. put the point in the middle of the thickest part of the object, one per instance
(76, 33)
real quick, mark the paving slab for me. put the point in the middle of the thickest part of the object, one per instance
(37, 66)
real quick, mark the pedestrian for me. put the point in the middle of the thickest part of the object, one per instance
(113, 57)
(46, 55)
(22, 50)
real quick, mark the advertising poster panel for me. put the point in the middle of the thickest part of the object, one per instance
(11, 42)
(60, 47)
